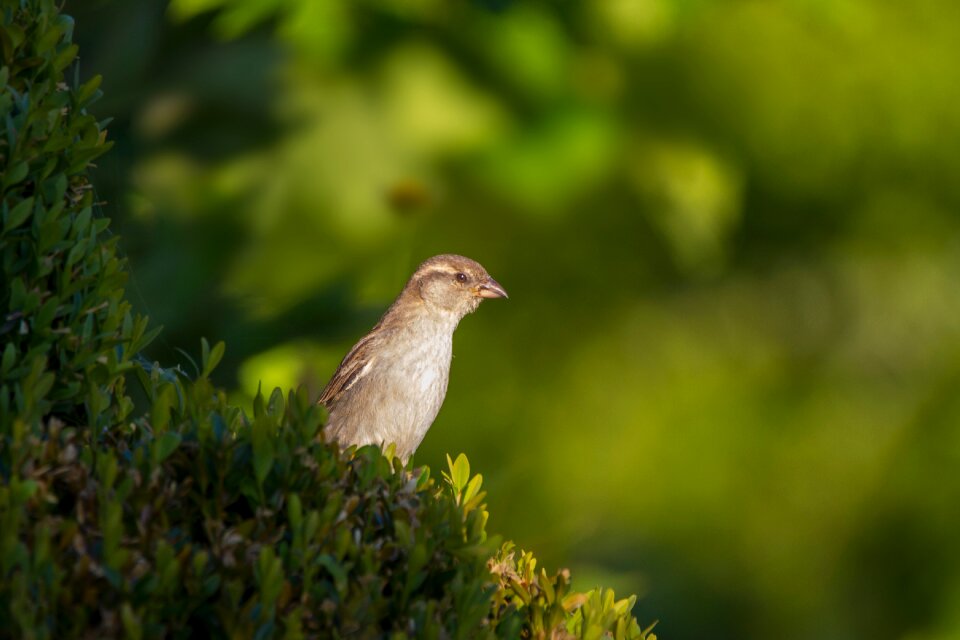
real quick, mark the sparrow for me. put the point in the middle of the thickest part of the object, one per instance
(391, 384)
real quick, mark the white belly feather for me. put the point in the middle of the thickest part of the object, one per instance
(404, 390)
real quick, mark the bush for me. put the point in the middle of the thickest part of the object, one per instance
(196, 518)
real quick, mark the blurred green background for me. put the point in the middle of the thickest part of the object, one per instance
(728, 375)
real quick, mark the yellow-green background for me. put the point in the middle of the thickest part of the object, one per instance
(728, 375)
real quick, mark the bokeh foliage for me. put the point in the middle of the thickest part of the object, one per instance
(729, 231)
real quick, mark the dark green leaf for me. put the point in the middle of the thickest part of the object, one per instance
(166, 444)
(9, 358)
(88, 89)
(19, 214)
(15, 174)
(263, 448)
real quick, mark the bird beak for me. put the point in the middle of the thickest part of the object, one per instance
(491, 289)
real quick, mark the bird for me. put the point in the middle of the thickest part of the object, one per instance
(391, 384)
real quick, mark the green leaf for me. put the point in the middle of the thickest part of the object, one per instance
(43, 385)
(15, 174)
(16, 35)
(403, 533)
(23, 490)
(162, 404)
(9, 357)
(259, 406)
(131, 625)
(276, 404)
(294, 511)
(47, 313)
(65, 57)
(77, 252)
(263, 449)
(212, 357)
(547, 585)
(166, 444)
(649, 628)
(143, 341)
(18, 214)
(48, 38)
(127, 331)
(65, 24)
(459, 472)
(88, 89)
(472, 487)
(54, 188)
(424, 478)
(18, 293)
(335, 570)
(82, 222)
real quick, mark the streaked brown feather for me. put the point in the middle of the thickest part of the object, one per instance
(357, 363)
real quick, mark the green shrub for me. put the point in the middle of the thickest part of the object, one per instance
(196, 518)
(67, 331)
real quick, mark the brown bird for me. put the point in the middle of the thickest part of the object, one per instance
(390, 386)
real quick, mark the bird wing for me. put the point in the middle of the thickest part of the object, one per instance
(356, 364)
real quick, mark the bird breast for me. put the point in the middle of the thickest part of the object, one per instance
(423, 369)
(416, 377)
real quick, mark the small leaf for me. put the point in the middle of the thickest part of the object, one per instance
(54, 188)
(15, 33)
(18, 293)
(131, 625)
(65, 57)
(646, 632)
(24, 490)
(259, 406)
(294, 511)
(47, 313)
(263, 450)
(145, 340)
(160, 413)
(335, 570)
(460, 472)
(403, 533)
(18, 214)
(9, 357)
(275, 406)
(574, 601)
(127, 328)
(423, 480)
(82, 222)
(78, 251)
(212, 357)
(165, 445)
(43, 385)
(472, 487)
(390, 452)
(16, 173)
(88, 89)
(547, 585)
(47, 38)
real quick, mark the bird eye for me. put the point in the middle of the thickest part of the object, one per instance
(461, 277)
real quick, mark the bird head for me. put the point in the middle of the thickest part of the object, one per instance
(454, 284)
